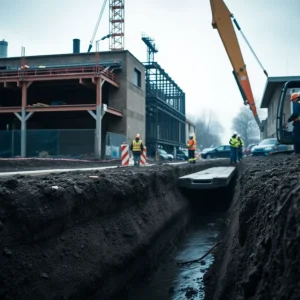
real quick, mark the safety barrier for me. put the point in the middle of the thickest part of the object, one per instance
(143, 156)
(124, 154)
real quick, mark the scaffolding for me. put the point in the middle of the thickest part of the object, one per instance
(165, 109)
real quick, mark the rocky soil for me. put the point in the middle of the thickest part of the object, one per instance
(259, 255)
(88, 235)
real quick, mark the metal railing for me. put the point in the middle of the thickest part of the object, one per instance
(48, 71)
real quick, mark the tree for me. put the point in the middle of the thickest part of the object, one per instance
(208, 130)
(245, 124)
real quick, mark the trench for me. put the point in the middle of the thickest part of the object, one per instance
(174, 278)
(107, 235)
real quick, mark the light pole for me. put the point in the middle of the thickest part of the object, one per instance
(102, 39)
(100, 111)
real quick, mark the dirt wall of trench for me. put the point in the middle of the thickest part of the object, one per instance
(259, 257)
(86, 235)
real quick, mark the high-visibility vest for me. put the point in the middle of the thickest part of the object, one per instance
(234, 142)
(136, 146)
(191, 144)
(241, 142)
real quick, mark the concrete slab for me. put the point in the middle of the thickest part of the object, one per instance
(208, 179)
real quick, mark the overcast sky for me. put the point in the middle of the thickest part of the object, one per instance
(189, 49)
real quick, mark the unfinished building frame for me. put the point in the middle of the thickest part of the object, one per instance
(165, 109)
(90, 76)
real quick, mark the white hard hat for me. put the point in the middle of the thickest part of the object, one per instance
(235, 133)
(191, 135)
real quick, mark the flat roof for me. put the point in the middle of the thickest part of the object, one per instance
(2, 59)
(271, 84)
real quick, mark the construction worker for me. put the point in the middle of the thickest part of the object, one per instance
(295, 118)
(240, 148)
(234, 144)
(137, 149)
(191, 148)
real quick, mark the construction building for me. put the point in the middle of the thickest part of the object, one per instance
(57, 101)
(165, 106)
(189, 128)
(270, 101)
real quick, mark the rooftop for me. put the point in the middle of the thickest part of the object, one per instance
(272, 83)
(5, 59)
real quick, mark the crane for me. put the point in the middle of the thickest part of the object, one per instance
(223, 20)
(97, 26)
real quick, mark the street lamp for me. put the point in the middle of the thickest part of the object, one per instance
(102, 39)
(100, 109)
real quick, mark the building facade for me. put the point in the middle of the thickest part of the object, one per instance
(100, 92)
(189, 128)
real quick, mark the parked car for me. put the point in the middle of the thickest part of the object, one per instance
(206, 149)
(222, 151)
(163, 155)
(248, 149)
(182, 155)
(267, 147)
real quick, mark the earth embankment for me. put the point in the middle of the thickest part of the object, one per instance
(258, 257)
(83, 235)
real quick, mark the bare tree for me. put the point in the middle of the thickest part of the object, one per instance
(208, 130)
(245, 124)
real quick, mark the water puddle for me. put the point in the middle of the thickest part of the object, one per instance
(183, 281)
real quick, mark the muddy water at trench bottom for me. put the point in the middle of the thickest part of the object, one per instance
(183, 281)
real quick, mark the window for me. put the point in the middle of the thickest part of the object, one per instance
(220, 148)
(137, 78)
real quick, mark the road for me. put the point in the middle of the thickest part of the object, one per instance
(49, 171)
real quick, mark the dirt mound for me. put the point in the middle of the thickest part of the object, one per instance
(29, 164)
(259, 257)
(87, 234)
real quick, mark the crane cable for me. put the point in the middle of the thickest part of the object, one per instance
(248, 44)
(97, 26)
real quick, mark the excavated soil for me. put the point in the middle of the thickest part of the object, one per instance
(31, 164)
(88, 235)
(259, 256)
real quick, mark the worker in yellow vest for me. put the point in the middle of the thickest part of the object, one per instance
(137, 150)
(192, 148)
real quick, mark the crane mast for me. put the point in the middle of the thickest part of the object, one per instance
(222, 21)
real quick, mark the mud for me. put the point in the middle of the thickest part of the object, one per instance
(183, 281)
(88, 235)
(259, 256)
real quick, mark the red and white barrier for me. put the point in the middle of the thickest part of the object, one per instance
(125, 155)
(143, 156)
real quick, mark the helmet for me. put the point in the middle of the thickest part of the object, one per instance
(191, 135)
(235, 133)
(294, 96)
(137, 136)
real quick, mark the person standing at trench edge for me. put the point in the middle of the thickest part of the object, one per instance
(191, 148)
(137, 149)
(295, 118)
(240, 148)
(234, 144)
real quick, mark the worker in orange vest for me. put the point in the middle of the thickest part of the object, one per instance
(191, 148)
